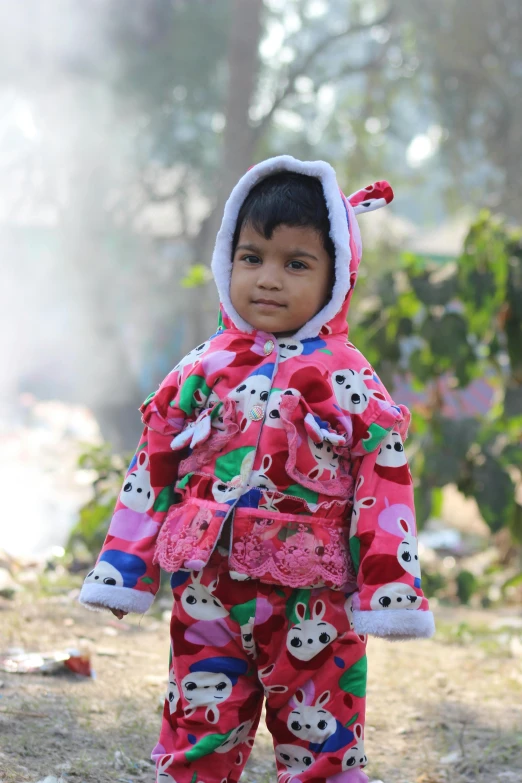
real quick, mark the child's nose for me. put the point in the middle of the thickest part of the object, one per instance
(269, 277)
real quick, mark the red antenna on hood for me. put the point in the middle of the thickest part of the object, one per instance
(371, 197)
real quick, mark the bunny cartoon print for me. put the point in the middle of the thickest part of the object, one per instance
(309, 637)
(311, 722)
(301, 652)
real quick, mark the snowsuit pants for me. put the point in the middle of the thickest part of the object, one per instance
(234, 644)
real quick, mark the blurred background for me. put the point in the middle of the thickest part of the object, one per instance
(124, 126)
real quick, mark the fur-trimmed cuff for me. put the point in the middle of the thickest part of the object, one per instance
(101, 597)
(395, 624)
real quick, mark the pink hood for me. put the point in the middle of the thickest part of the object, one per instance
(344, 231)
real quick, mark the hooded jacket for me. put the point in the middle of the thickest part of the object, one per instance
(291, 447)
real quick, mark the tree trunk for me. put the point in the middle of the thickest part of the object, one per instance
(237, 151)
(243, 66)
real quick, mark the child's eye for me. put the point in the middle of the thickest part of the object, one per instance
(297, 265)
(252, 259)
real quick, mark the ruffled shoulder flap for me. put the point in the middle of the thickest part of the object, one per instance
(156, 412)
(179, 398)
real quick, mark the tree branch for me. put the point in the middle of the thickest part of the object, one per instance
(369, 65)
(305, 64)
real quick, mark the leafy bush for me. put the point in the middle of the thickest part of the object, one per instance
(439, 327)
(109, 470)
(466, 586)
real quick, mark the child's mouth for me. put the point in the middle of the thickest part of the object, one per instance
(269, 304)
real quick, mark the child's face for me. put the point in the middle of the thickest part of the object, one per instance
(278, 284)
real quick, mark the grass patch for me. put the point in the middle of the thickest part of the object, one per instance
(494, 641)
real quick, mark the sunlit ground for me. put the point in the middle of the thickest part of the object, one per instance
(447, 710)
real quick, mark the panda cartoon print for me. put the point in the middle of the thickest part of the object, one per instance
(351, 391)
(391, 463)
(252, 395)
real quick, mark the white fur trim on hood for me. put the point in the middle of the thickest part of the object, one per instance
(222, 257)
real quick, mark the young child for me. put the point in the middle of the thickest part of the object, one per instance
(271, 480)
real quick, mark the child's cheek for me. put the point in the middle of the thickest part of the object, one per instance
(238, 289)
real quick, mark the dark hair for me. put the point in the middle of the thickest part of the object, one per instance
(286, 198)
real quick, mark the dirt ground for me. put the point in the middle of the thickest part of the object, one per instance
(447, 710)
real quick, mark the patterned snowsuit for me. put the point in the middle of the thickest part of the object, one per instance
(271, 480)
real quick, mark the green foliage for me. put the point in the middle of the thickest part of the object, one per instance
(441, 327)
(109, 471)
(197, 275)
(466, 586)
(432, 582)
(514, 581)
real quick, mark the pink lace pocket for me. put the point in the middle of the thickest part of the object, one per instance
(291, 550)
(189, 534)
